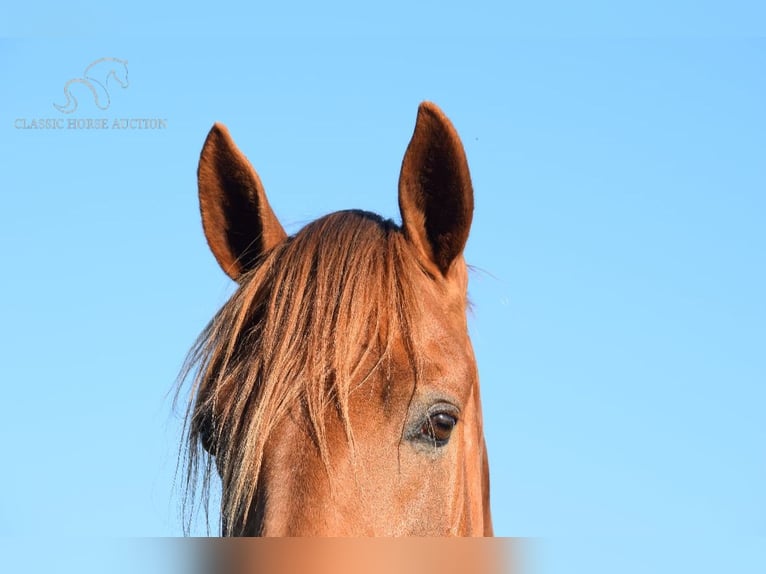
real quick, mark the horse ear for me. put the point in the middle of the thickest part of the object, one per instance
(435, 192)
(238, 221)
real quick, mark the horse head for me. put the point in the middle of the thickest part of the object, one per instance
(336, 392)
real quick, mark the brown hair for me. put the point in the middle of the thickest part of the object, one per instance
(309, 323)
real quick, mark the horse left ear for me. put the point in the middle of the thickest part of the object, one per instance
(435, 191)
(239, 223)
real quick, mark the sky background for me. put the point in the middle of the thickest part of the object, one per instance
(618, 160)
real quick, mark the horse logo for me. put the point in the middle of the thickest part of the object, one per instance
(96, 79)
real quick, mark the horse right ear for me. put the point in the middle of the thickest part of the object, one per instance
(435, 192)
(239, 223)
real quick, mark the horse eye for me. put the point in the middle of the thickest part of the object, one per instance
(438, 428)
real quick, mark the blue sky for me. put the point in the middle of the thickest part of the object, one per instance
(618, 241)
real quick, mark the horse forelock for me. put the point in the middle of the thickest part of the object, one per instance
(316, 318)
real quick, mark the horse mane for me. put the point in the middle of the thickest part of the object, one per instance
(310, 323)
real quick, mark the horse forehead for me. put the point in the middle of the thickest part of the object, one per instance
(444, 306)
(443, 344)
(448, 360)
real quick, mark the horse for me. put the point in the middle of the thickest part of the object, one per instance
(336, 393)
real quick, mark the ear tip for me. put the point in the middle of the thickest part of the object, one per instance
(427, 106)
(431, 117)
(218, 138)
(218, 130)
(429, 110)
